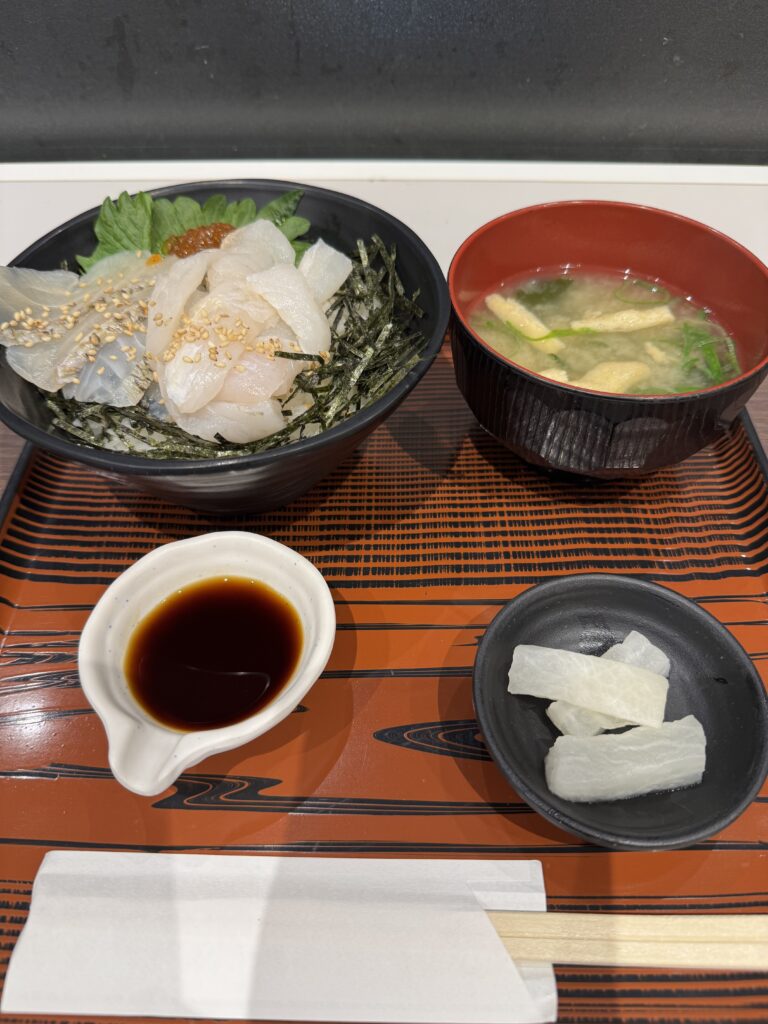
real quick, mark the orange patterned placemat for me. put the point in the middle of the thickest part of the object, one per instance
(422, 536)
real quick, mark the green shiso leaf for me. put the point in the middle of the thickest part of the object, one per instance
(282, 208)
(189, 213)
(165, 223)
(300, 248)
(215, 210)
(142, 223)
(122, 226)
(240, 213)
(292, 227)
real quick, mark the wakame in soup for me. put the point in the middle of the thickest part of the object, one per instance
(606, 332)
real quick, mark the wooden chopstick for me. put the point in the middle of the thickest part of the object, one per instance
(726, 941)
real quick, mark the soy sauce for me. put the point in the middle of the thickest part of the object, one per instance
(213, 653)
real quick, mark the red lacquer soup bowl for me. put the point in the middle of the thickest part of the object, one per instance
(593, 433)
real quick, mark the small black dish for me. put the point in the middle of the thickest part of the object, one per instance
(712, 678)
(270, 479)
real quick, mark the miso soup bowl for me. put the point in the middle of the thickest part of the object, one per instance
(593, 433)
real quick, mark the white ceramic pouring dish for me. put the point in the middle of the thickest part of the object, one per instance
(144, 755)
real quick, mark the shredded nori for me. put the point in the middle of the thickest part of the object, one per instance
(374, 343)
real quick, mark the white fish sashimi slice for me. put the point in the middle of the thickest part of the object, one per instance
(21, 287)
(249, 250)
(256, 377)
(616, 766)
(612, 688)
(235, 422)
(287, 291)
(280, 333)
(58, 295)
(637, 649)
(325, 269)
(51, 364)
(238, 373)
(221, 307)
(234, 267)
(104, 310)
(124, 268)
(72, 352)
(260, 240)
(113, 378)
(57, 363)
(192, 379)
(575, 721)
(170, 296)
(38, 365)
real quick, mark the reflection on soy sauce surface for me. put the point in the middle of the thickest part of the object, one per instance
(213, 653)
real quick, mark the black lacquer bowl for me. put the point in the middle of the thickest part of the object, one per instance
(712, 677)
(268, 479)
(593, 433)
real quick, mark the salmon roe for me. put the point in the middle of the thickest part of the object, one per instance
(210, 236)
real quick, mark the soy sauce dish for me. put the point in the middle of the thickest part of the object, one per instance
(200, 646)
(711, 678)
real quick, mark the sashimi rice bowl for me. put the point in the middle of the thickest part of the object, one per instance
(197, 329)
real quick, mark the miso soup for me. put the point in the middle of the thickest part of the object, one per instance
(606, 332)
